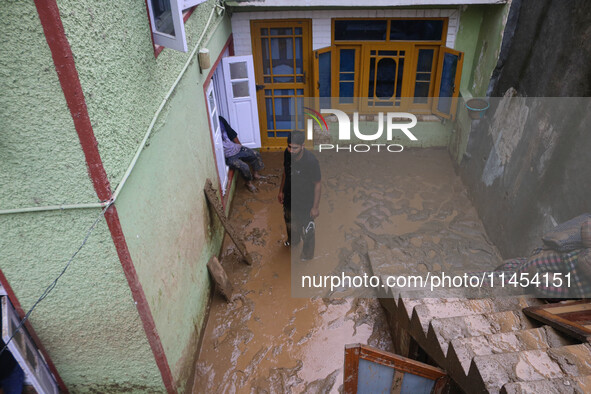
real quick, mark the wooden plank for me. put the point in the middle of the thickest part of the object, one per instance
(567, 321)
(222, 283)
(401, 363)
(217, 207)
(350, 375)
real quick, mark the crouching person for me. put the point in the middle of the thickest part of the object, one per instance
(240, 157)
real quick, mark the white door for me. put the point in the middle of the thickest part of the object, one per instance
(213, 110)
(242, 100)
(25, 352)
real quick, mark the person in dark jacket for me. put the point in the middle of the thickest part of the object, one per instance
(240, 157)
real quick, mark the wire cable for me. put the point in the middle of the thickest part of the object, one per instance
(54, 283)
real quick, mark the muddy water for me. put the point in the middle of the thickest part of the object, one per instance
(265, 340)
(410, 207)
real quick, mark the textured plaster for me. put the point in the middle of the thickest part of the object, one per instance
(163, 213)
(89, 323)
(41, 159)
(480, 35)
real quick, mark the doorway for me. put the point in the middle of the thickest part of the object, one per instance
(281, 52)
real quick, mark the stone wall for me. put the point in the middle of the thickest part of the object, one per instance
(527, 174)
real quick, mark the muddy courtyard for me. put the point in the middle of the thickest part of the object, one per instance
(277, 337)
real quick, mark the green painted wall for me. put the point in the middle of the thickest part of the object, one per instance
(163, 212)
(480, 36)
(89, 324)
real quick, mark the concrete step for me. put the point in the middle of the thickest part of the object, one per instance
(463, 350)
(490, 373)
(424, 314)
(579, 385)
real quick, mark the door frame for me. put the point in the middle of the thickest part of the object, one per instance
(279, 143)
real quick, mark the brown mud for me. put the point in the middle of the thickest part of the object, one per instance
(410, 206)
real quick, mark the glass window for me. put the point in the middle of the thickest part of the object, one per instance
(163, 16)
(416, 30)
(360, 30)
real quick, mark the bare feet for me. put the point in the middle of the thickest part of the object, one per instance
(251, 188)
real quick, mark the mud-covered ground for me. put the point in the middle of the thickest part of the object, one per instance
(278, 338)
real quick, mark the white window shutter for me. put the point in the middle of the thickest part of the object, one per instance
(242, 99)
(191, 3)
(168, 28)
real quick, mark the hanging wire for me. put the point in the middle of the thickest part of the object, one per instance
(54, 283)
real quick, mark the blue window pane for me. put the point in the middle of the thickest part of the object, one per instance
(270, 134)
(416, 384)
(299, 55)
(448, 77)
(386, 72)
(269, 105)
(347, 60)
(346, 92)
(399, 79)
(283, 92)
(425, 61)
(416, 30)
(324, 74)
(347, 76)
(282, 133)
(374, 378)
(356, 30)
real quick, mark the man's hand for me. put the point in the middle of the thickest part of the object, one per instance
(314, 213)
(280, 197)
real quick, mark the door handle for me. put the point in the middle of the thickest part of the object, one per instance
(260, 87)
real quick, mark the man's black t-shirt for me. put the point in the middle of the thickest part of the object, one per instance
(300, 178)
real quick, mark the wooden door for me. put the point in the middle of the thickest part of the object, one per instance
(281, 52)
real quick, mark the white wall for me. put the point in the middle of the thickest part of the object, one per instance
(321, 23)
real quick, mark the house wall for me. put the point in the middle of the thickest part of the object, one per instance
(321, 23)
(544, 173)
(480, 37)
(90, 324)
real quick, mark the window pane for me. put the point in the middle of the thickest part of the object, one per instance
(372, 77)
(281, 31)
(299, 54)
(324, 77)
(347, 60)
(386, 72)
(162, 16)
(269, 105)
(283, 92)
(425, 61)
(282, 133)
(240, 89)
(346, 92)
(416, 30)
(282, 79)
(238, 70)
(399, 79)
(298, 30)
(284, 108)
(347, 77)
(266, 61)
(282, 55)
(421, 92)
(264, 32)
(448, 76)
(355, 30)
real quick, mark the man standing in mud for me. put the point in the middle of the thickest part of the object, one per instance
(300, 193)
